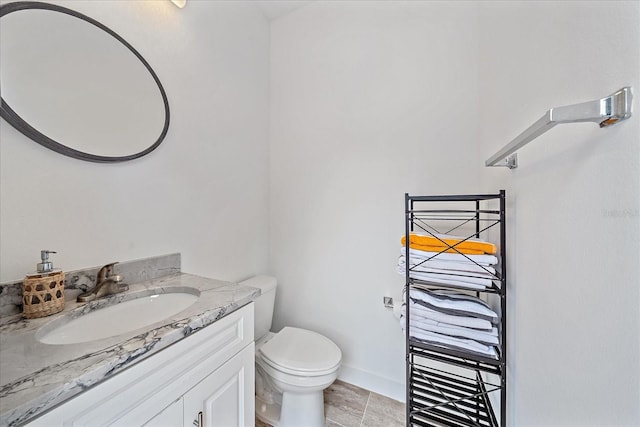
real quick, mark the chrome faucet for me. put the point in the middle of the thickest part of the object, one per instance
(107, 283)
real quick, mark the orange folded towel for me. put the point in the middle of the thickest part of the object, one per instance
(437, 249)
(443, 242)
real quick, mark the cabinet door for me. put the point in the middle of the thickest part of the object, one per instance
(226, 397)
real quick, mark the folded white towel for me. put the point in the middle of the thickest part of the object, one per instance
(465, 305)
(462, 268)
(418, 310)
(485, 337)
(450, 280)
(449, 275)
(455, 343)
(468, 259)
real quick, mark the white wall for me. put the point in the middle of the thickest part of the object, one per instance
(369, 100)
(574, 208)
(360, 115)
(203, 192)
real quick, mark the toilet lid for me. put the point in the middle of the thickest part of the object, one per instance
(301, 351)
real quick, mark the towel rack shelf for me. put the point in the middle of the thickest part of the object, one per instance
(447, 385)
(606, 112)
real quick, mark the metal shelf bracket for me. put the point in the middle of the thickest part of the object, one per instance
(606, 112)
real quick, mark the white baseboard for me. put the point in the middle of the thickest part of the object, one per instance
(372, 382)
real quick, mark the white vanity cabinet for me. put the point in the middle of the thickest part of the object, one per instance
(206, 379)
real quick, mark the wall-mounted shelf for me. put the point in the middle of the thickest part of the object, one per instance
(606, 112)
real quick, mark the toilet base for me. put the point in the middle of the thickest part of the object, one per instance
(304, 409)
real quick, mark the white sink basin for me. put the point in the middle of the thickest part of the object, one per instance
(136, 311)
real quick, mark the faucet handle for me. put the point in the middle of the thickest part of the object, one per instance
(116, 278)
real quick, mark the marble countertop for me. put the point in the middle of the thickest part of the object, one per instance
(35, 377)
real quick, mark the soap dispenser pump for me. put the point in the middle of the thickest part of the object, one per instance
(45, 266)
(43, 291)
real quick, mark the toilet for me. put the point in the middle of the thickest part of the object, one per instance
(293, 366)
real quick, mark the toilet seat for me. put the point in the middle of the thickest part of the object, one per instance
(296, 351)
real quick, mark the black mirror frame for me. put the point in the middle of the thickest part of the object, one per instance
(7, 113)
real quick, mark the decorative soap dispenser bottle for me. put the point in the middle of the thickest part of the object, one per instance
(43, 291)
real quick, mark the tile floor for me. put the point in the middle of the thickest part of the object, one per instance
(346, 405)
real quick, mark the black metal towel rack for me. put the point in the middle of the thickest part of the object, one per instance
(445, 386)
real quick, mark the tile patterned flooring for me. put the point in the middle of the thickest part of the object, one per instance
(346, 405)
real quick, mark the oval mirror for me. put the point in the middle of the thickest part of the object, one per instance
(76, 87)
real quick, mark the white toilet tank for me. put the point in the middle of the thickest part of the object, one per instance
(263, 305)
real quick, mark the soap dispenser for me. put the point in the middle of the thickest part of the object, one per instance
(43, 291)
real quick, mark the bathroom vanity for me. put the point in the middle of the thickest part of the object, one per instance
(195, 367)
